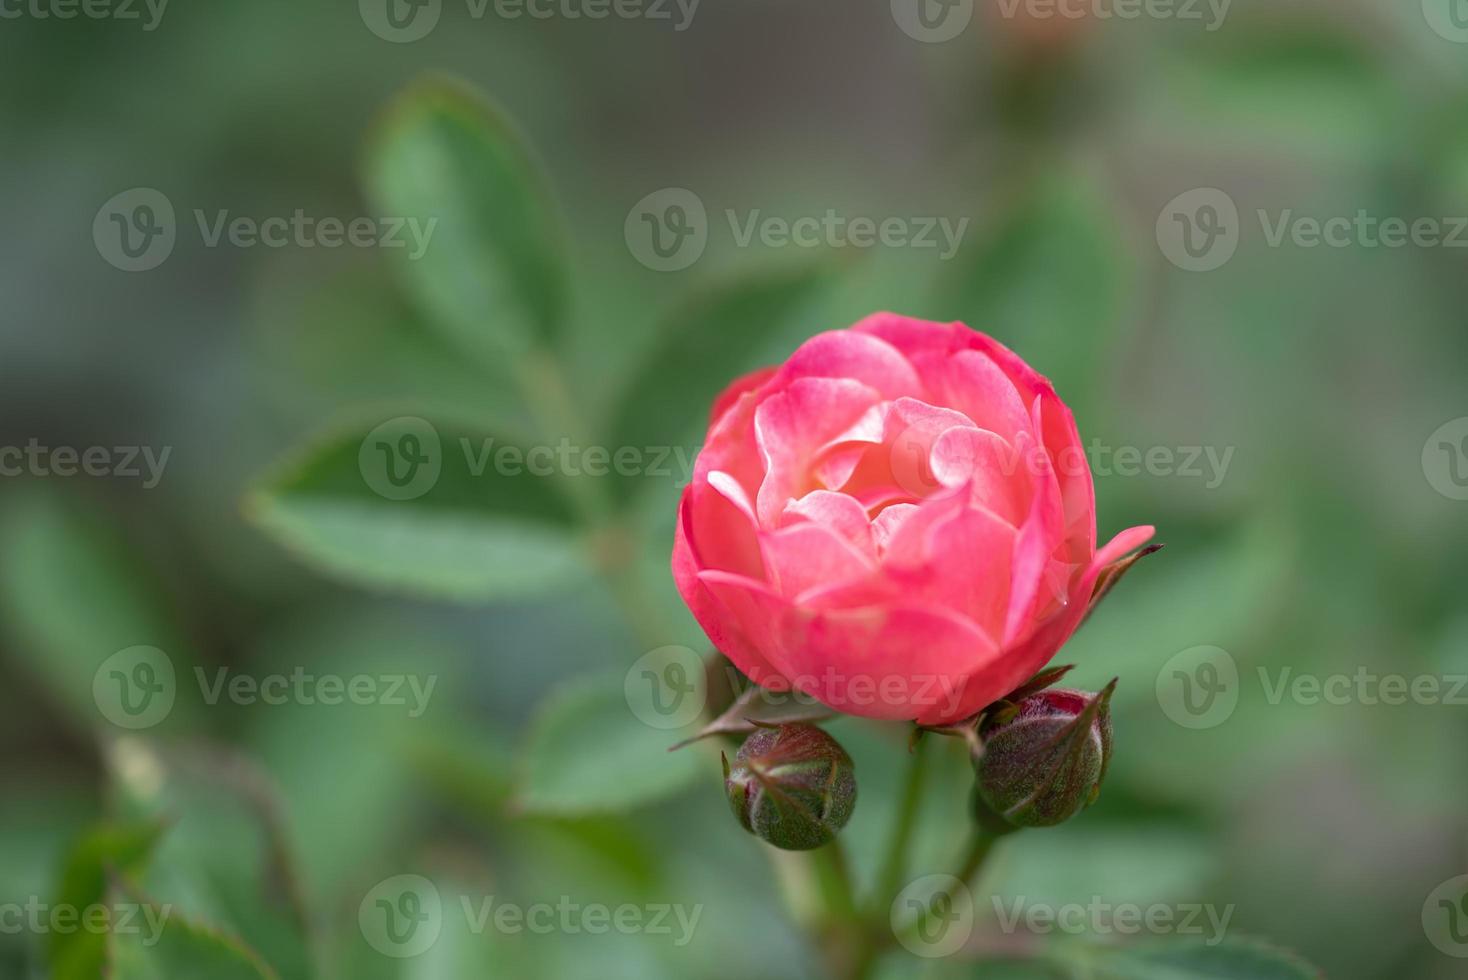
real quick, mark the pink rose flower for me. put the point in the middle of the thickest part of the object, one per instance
(899, 521)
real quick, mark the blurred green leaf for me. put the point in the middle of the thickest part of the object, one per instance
(73, 596)
(1051, 282)
(1232, 959)
(226, 858)
(588, 753)
(180, 949)
(491, 275)
(122, 848)
(702, 346)
(461, 528)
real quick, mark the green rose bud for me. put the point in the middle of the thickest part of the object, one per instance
(793, 786)
(1043, 758)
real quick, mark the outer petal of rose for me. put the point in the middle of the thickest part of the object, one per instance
(1040, 537)
(762, 621)
(858, 356)
(972, 384)
(912, 336)
(1073, 471)
(730, 395)
(1024, 659)
(730, 446)
(891, 663)
(720, 532)
(790, 428)
(726, 637)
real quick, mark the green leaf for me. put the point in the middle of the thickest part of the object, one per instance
(1051, 282)
(491, 276)
(432, 510)
(227, 858)
(179, 949)
(72, 596)
(107, 848)
(1232, 959)
(705, 344)
(588, 753)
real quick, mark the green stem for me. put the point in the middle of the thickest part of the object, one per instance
(844, 940)
(894, 866)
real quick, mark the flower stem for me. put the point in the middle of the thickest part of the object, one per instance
(894, 866)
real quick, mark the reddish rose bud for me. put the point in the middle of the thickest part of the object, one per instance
(793, 786)
(1044, 758)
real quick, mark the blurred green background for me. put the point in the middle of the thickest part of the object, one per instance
(1334, 540)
